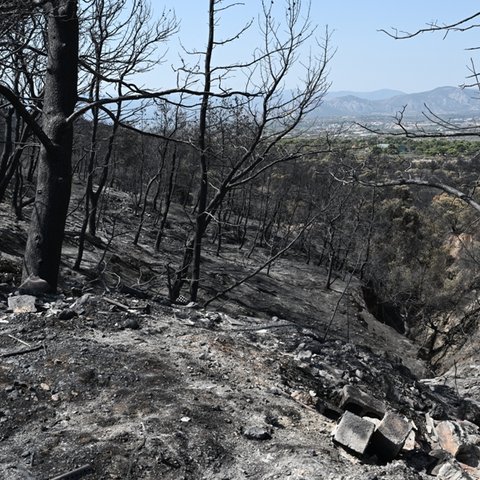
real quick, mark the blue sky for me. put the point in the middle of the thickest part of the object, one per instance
(365, 59)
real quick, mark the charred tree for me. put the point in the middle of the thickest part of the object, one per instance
(44, 244)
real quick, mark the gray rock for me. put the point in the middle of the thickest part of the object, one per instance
(80, 304)
(439, 456)
(451, 471)
(461, 440)
(304, 398)
(360, 403)
(67, 314)
(410, 442)
(131, 323)
(314, 346)
(304, 356)
(214, 316)
(430, 428)
(257, 433)
(451, 437)
(354, 433)
(275, 391)
(23, 304)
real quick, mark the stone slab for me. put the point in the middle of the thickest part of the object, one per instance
(354, 432)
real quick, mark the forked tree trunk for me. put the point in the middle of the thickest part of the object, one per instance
(44, 244)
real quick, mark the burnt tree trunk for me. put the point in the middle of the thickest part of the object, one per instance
(201, 219)
(168, 200)
(44, 244)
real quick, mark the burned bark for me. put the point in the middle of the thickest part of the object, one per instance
(44, 244)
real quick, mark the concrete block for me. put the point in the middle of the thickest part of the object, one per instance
(354, 433)
(361, 403)
(390, 436)
(22, 304)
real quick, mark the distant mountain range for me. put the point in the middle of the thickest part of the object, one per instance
(443, 101)
(382, 94)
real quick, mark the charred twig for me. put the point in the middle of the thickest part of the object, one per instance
(75, 474)
(107, 246)
(126, 308)
(265, 327)
(136, 292)
(117, 304)
(21, 352)
(342, 295)
(20, 341)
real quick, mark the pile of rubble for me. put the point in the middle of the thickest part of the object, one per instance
(368, 428)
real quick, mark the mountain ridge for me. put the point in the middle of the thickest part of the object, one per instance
(380, 94)
(446, 100)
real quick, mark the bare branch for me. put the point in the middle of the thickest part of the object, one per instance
(423, 183)
(152, 95)
(265, 264)
(29, 119)
(434, 27)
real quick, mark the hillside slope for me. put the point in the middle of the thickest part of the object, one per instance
(136, 388)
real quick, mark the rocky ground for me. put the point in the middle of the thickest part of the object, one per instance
(100, 384)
